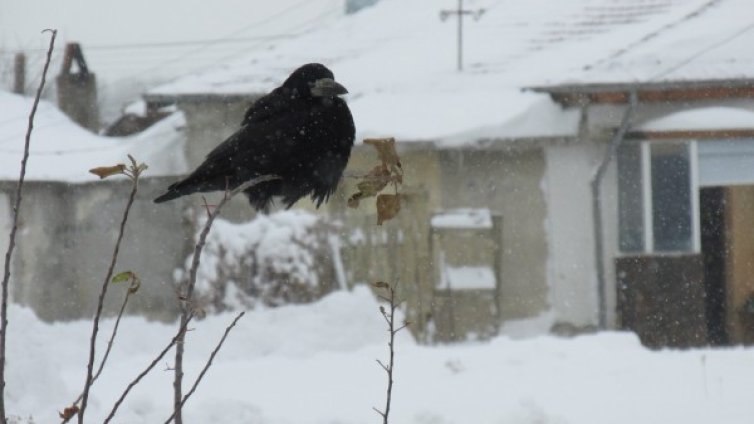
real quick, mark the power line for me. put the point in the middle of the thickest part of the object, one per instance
(179, 58)
(703, 51)
(167, 44)
(203, 46)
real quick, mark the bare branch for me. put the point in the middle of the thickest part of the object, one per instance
(110, 344)
(14, 229)
(400, 328)
(156, 360)
(208, 364)
(136, 170)
(384, 367)
(389, 318)
(188, 295)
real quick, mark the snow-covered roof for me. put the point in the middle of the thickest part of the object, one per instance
(463, 218)
(398, 59)
(467, 278)
(706, 118)
(60, 150)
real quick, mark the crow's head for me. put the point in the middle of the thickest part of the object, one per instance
(315, 80)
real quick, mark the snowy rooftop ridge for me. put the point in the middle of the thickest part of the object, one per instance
(60, 150)
(397, 59)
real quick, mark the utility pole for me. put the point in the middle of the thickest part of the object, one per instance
(476, 14)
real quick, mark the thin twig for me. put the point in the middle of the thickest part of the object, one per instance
(187, 296)
(208, 364)
(112, 336)
(390, 319)
(181, 331)
(103, 291)
(12, 241)
(110, 344)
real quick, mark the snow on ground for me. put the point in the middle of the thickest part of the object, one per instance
(316, 364)
(63, 151)
(274, 258)
(463, 218)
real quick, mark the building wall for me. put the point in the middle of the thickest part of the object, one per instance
(599, 122)
(66, 238)
(571, 265)
(508, 182)
(208, 123)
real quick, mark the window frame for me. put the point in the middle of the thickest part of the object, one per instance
(647, 221)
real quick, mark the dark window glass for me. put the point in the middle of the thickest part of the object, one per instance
(671, 197)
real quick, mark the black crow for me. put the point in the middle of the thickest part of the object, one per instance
(301, 131)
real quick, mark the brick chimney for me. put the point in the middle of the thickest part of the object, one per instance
(77, 91)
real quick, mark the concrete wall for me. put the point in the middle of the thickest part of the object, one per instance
(508, 183)
(65, 243)
(208, 123)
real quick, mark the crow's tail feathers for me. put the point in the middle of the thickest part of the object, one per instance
(175, 191)
(170, 195)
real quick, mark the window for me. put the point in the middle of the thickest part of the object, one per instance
(657, 197)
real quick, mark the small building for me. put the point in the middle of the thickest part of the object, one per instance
(590, 167)
(69, 218)
(598, 224)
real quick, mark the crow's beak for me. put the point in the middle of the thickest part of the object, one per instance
(327, 87)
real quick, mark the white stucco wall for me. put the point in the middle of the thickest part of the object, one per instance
(571, 272)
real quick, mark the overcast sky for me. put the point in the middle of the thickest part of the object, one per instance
(142, 25)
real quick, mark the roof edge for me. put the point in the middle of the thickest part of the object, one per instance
(199, 98)
(648, 92)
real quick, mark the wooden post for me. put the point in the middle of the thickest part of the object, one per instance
(19, 73)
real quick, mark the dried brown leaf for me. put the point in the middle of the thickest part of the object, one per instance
(386, 151)
(108, 171)
(371, 184)
(388, 206)
(69, 412)
(380, 285)
(353, 201)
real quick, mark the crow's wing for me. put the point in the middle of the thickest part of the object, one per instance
(307, 145)
(269, 107)
(263, 147)
(277, 102)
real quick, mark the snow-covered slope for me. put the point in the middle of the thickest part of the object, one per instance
(63, 151)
